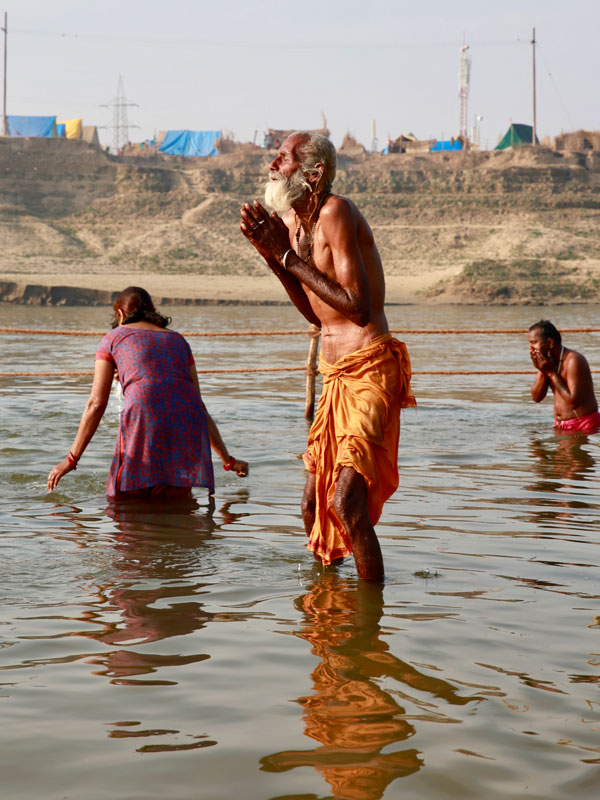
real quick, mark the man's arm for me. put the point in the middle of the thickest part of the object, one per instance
(539, 388)
(348, 293)
(277, 232)
(294, 289)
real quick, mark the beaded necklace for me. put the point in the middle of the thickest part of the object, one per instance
(312, 230)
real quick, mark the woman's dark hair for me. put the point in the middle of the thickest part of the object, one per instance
(137, 306)
(547, 330)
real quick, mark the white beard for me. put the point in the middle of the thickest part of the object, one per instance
(282, 192)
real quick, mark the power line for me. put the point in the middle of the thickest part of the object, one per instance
(564, 105)
(253, 44)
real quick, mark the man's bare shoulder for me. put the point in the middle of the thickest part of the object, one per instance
(339, 210)
(340, 214)
(576, 360)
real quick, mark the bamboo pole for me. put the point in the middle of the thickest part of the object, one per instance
(311, 371)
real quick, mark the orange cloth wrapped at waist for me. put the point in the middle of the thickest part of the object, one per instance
(357, 425)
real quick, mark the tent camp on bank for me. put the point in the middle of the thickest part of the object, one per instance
(516, 136)
(50, 128)
(190, 143)
(33, 127)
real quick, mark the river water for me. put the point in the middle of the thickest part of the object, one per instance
(201, 653)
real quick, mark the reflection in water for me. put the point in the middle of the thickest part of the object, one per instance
(565, 459)
(349, 713)
(150, 598)
(160, 544)
(560, 464)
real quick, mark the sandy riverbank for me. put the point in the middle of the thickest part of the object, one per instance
(480, 228)
(97, 289)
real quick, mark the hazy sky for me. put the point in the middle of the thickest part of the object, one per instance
(245, 66)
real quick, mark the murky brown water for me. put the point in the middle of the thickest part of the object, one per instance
(202, 654)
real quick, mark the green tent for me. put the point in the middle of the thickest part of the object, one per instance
(515, 136)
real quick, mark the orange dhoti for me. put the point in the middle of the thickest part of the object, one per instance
(357, 425)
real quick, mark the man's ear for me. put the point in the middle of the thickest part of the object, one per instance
(316, 174)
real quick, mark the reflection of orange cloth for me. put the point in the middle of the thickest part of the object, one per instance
(357, 425)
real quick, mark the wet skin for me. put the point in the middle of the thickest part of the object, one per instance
(340, 288)
(568, 377)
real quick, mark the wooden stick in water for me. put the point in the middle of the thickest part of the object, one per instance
(311, 371)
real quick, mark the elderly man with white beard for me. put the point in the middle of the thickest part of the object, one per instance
(322, 250)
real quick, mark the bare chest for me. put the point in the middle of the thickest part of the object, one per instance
(311, 246)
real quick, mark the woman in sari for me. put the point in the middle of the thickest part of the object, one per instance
(165, 433)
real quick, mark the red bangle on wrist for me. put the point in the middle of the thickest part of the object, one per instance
(72, 460)
(229, 465)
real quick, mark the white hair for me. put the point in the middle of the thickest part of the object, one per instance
(282, 191)
(316, 149)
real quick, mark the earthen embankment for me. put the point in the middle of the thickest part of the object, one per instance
(516, 226)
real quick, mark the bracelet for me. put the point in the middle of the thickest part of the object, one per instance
(72, 460)
(285, 255)
(229, 465)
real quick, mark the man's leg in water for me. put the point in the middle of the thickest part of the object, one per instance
(309, 504)
(350, 506)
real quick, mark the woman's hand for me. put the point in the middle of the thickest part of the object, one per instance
(240, 468)
(57, 472)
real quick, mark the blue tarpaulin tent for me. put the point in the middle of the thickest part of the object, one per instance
(44, 127)
(190, 143)
(452, 144)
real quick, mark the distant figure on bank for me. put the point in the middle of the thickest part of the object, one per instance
(567, 373)
(322, 250)
(165, 432)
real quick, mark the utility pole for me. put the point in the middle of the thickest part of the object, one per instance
(4, 131)
(533, 133)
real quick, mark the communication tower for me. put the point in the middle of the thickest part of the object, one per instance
(464, 79)
(374, 140)
(120, 125)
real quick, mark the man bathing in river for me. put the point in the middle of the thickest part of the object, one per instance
(566, 372)
(322, 250)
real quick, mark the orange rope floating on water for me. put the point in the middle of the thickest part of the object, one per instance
(415, 374)
(100, 334)
(308, 371)
(216, 334)
(199, 371)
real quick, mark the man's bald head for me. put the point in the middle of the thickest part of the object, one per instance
(312, 149)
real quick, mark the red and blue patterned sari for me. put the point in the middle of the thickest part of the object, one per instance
(163, 436)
